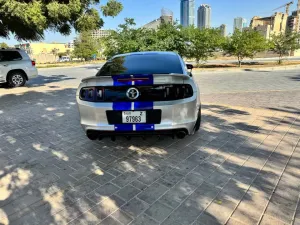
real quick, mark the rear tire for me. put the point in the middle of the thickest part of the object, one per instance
(16, 79)
(198, 122)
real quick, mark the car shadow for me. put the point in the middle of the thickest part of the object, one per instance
(295, 78)
(41, 80)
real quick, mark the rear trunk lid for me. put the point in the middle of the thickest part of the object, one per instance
(158, 87)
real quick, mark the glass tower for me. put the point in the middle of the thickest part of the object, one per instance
(187, 12)
(204, 14)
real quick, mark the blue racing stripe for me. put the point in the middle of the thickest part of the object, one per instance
(147, 79)
(121, 105)
(123, 127)
(143, 105)
(144, 127)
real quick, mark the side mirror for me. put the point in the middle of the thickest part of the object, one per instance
(189, 66)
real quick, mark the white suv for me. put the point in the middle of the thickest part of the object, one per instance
(16, 67)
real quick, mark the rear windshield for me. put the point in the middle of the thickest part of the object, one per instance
(142, 64)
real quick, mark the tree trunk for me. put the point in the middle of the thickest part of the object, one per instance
(280, 60)
(240, 61)
(197, 63)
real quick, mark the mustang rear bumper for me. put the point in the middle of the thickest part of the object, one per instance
(179, 115)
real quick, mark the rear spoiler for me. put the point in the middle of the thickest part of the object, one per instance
(157, 77)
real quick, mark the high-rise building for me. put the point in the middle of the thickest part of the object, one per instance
(187, 12)
(204, 14)
(239, 23)
(223, 30)
(166, 17)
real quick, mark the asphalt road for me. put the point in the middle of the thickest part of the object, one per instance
(246, 88)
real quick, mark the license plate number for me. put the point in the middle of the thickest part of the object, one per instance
(134, 117)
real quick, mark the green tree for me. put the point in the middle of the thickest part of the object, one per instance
(244, 44)
(284, 43)
(55, 51)
(28, 19)
(85, 46)
(202, 43)
(3, 45)
(127, 38)
(123, 40)
(171, 37)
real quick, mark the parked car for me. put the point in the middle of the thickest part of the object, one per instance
(64, 59)
(138, 94)
(16, 67)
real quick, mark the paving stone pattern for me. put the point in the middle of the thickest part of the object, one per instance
(243, 167)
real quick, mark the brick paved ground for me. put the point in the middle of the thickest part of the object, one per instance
(243, 167)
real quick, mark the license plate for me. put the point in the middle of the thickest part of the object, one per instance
(134, 117)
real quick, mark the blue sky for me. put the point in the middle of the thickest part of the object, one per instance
(143, 11)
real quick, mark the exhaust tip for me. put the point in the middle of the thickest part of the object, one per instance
(180, 134)
(92, 135)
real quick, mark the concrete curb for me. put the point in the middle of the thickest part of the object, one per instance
(266, 69)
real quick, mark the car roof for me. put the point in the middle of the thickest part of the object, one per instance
(146, 53)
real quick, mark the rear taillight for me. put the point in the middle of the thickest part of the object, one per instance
(169, 92)
(92, 94)
(33, 63)
(187, 91)
(178, 91)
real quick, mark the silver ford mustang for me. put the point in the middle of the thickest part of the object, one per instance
(139, 94)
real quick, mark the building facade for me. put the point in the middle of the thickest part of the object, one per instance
(239, 23)
(45, 52)
(166, 17)
(71, 43)
(292, 22)
(187, 12)
(223, 30)
(268, 26)
(44, 48)
(99, 33)
(204, 16)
